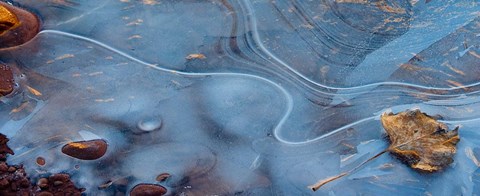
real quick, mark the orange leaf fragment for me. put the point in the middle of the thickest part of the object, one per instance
(195, 56)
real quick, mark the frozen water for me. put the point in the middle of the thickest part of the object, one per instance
(289, 92)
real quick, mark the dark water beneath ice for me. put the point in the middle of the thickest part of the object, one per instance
(290, 92)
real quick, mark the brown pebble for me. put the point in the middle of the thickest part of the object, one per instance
(12, 169)
(86, 150)
(42, 183)
(18, 25)
(57, 183)
(4, 183)
(59, 177)
(148, 190)
(162, 177)
(40, 161)
(3, 167)
(44, 193)
(13, 186)
(24, 183)
(6, 80)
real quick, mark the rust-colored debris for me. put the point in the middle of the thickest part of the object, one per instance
(6, 80)
(17, 25)
(57, 184)
(195, 56)
(14, 180)
(86, 150)
(419, 140)
(148, 190)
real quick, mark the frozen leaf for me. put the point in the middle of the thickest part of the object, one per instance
(419, 140)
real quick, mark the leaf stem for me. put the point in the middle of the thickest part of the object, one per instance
(322, 182)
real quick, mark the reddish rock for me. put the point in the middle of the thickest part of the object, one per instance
(6, 80)
(14, 183)
(148, 190)
(57, 184)
(4, 149)
(17, 27)
(42, 183)
(14, 180)
(86, 150)
(40, 161)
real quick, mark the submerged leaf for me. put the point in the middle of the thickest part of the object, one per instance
(419, 140)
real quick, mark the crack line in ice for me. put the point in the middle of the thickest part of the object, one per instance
(330, 133)
(288, 97)
(83, 15)
(9, 127)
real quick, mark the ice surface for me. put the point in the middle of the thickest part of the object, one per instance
(290, 92)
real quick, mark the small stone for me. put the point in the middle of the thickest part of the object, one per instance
(6, 80)
(86, 150)
(44, 193)
(12, 169)
(42, 183)
(40, 161)
(3, 167)
(24, 183)
(23, 25)
(148, 190)
(57, 183)
(13, 186)
(59, 177)
(162, 177)
(4, 183)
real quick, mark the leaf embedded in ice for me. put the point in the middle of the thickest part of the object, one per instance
(419, 140)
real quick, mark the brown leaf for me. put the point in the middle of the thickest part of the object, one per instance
(419, 140)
